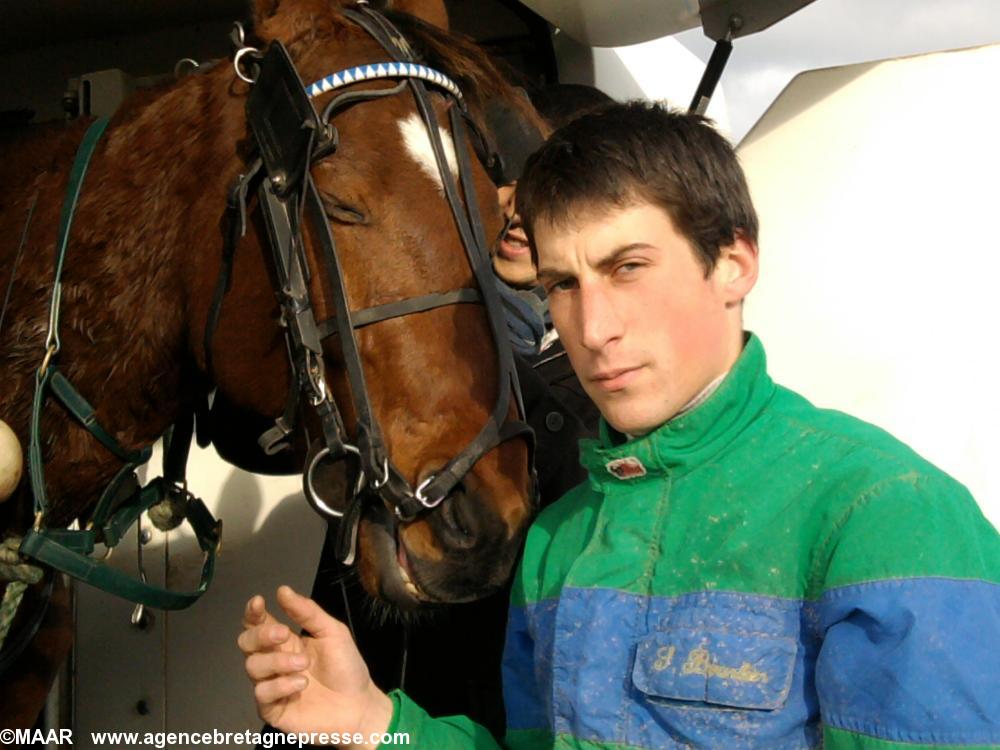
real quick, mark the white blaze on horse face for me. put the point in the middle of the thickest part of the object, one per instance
(418, 144)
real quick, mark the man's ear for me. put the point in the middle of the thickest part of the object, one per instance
(736, 270)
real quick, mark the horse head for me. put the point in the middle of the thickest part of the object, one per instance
(433, 377)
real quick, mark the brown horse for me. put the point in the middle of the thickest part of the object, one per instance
(143, 259)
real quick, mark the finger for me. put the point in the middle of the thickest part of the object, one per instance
(279, 688)
(263, 638)
(308, 614)
(264, 666)
(255, 612)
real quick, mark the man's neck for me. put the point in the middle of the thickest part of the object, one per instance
(701, 396)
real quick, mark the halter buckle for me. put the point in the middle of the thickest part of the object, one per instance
(317, 379)
(419, 493)
(380, 483)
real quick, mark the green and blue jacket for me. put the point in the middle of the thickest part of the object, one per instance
(757, 573)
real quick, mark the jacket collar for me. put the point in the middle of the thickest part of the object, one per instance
(689, 440)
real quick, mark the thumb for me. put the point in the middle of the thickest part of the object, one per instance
(308, 614)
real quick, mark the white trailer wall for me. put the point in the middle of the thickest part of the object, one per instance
(876, 186)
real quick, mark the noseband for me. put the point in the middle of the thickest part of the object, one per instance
(290, 137)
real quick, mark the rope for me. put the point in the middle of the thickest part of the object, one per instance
(19, 575)
(12, 565)
(8, 608)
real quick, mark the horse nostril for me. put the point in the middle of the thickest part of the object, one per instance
(457, 525)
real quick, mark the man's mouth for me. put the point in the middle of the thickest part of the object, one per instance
(514, 243)
(617, 379)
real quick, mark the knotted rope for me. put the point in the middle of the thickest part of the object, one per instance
(19, 575)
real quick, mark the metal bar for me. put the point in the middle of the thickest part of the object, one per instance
(710, 78)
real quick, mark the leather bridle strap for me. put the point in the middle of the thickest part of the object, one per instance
(409, 306)
(290, 137)
(391, 485)
(236, 227)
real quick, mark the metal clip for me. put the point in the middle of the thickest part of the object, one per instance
(236, 63)
(380, 483)
(237, 35)
(185, 62)
(138, 614)
(317, 380)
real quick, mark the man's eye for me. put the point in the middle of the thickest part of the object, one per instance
(627, 268)
(563, 285)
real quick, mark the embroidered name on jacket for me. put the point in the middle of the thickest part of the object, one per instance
(700, 661)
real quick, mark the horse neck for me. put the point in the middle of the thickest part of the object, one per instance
(156, 196)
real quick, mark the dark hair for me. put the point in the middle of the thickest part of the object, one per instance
(561, 103)
(634, 152)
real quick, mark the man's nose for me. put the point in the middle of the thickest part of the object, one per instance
(600, 320)
(507, 196)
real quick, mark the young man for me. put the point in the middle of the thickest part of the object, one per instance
(741, 569)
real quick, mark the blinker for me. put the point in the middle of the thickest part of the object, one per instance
(283, 120)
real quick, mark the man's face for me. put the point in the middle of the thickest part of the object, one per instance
(644, 328)
(512, 258)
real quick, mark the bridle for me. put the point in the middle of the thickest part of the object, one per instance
(289, 138)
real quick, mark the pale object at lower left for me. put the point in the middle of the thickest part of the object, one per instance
(11, 461)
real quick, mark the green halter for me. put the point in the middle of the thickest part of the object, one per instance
(123, 501)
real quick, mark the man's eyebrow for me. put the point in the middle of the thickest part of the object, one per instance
(615, 255)
(550, 272)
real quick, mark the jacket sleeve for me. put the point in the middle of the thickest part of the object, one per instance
(419, 730)
(910, 618)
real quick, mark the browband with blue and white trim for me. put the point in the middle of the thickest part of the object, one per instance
(383, 70)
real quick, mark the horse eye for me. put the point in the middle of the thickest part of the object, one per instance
(344, 213)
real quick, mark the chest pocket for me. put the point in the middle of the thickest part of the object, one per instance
(717, 667)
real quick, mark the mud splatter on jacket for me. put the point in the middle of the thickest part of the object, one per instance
(758, 573)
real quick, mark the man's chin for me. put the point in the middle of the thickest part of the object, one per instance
(633, 422)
